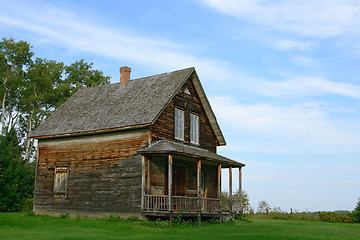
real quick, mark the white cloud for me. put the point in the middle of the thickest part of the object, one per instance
(321, 18)
(62, 27)
(303, 86)
(291, 44)
(291, 129)
(304, 61)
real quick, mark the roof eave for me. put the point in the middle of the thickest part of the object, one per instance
(209, 112)
(222, 162)
(91, 132)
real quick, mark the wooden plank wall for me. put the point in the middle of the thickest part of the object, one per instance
(104, 174)
(163, 128)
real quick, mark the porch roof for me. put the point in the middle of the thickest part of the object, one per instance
(170, 147)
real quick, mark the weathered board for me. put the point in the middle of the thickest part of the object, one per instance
(163, 128)
(104, 174)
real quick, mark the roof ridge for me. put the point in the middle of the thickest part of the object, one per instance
(157, 75)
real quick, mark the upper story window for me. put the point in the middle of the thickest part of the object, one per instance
(179, 124)
(194, 128)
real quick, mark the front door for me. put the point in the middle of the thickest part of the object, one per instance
(179, 181)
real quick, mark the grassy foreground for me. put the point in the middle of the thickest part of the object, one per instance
(19, 226)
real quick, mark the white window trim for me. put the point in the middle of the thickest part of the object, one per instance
(194, 128)
(179, 124)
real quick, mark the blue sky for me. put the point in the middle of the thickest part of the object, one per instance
(283, 78)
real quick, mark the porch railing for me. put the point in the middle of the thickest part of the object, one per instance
(180, 203)
(156, 202)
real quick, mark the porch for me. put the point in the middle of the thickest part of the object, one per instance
(178, 178)
(154, 203)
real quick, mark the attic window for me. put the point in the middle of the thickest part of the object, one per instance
(186, 90)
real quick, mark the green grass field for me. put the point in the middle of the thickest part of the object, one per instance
(19, 226)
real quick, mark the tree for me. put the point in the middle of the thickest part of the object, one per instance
(16, 175)
(225, 201)
(14, 56)
(263, 207)
(30, 89)
(80, 74)
(33, 88)
(356, 211)
(39, 97)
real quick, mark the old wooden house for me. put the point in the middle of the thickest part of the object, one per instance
(144, 147)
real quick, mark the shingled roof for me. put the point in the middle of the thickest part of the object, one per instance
(170, 147)
(137, 103)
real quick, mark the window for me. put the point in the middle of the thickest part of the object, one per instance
(179, 124)
(187, 91)
(61, 180)
(194, 128)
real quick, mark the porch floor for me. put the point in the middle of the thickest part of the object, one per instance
(186, 214)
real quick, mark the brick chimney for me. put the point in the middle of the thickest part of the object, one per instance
(124, 75)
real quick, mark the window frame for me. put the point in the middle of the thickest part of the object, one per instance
(61, 186)
(179, 127)
(187, 91)
(194, 128)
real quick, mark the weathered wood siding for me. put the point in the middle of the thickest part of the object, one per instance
(159, 175)
(211, 184)
(164, 126)
(104, 174)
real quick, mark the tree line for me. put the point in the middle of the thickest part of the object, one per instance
(31, 88)
(240, 203)
(264, 210)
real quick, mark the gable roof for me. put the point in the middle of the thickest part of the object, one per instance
(170, 147)
(137, 103)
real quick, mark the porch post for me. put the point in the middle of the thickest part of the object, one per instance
(240, 190)
(170, 167)
(199, 190)
(230, 190)
(148, 190)
(219, 186)
(143, 163)
(170, 172)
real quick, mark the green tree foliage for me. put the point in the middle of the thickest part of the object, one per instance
(16, 175)
(356, 212)
(14, 57)
(263, 207)
(32, 88)
(225, 201)
(80, 74)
